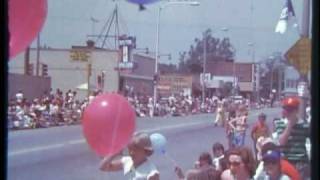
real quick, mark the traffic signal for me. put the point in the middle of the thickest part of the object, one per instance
(99, 79)
(30, 69)
(44, 70)
(89, 69)
(156, 78)
(134, 44)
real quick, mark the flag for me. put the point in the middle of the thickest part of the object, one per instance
(287, 16)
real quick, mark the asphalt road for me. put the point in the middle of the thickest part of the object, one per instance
(61, 153)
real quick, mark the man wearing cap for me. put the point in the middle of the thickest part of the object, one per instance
(136, 166)
(292, 132)
(286, 167)
(272, 166)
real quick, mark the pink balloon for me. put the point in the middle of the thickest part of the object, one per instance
(26, 18)
(108, 123)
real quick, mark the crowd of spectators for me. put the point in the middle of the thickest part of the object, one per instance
(50, 109)
(58, 108)
(281, 152)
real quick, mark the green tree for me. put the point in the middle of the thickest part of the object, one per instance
(167, 68)
(216, 49)
(271, 73)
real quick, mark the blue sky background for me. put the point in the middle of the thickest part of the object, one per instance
(68, 23)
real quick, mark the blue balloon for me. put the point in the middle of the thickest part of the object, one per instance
(158, 143)
(142, 1)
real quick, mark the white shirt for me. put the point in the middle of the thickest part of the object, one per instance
(54, 109)
(19, 97)
(142, 172)
(216, 162)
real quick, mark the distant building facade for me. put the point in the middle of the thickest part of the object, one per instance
(291, 79)
(220, 72)
(175, 84)
(138, 80)
(68, 68)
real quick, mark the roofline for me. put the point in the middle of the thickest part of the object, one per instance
(69, 49)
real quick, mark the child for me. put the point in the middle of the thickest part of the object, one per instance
(218, 155)
(136, 165)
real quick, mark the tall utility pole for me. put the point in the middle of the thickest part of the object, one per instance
(204, 67)
(27, 60)
(38, 55)
(155, 83)
(258, 82)
(252, 45)
(105, 33)
(303, 84)
(166, 4)
(90, 46)
(280, 70)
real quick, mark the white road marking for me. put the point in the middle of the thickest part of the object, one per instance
(82, 141)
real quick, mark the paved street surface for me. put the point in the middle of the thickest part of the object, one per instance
(61, 153)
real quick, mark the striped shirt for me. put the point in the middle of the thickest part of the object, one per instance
(294, 150)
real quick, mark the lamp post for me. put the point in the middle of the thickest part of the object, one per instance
(272, 59)
(254, 90)
(192, 3)
(204, 67)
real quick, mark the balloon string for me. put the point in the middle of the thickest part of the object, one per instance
(171, 159)
(115, 128)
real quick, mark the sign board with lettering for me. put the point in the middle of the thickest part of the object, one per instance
(299, 55)
(80, 55)
(174, 84)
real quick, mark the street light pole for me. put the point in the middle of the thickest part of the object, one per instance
(192, 3)
(254, 89)
(157, 59)
(204, 67)
(38, 55)
(234, 77)
(258, 82)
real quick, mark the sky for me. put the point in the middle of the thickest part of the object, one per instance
(68, 23)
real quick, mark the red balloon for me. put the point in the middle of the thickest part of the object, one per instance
(108, 123)
(26, 18)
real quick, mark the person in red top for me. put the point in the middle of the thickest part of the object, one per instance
(260, 128)
(289, 169)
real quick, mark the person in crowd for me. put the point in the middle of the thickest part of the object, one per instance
(150, 107)
(228, 127)
(308, 113)
(239, 126)
(249, 162)
(220, 115)
(237, 168)
(137, 165)
(218, 155)
(292, 133)
(272, 166)
(260, 142)
(203, 170)
(19, 96)
(260, 128)
(54, 111)
(286, 167)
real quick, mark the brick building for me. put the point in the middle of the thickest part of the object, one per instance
(241, 74)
